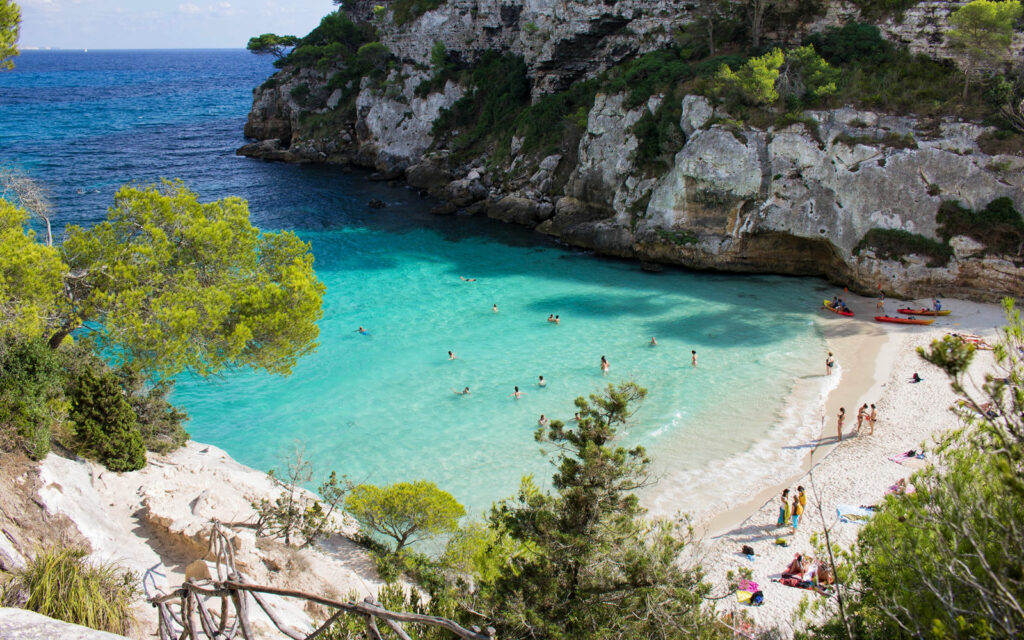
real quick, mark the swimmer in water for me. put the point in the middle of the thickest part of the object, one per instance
(653, 342)
(516, 394)
(604, 365)
(557, 320)
(451, 356)
(361, 330)
(551, 317)
(467, 279)
(495, 308)
(543, 421)
(464, 392)
(693, 358)
(541, 382)
(576, 417)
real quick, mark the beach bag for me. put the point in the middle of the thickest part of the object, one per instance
(743, 596)
(747, 550)
(756, 599)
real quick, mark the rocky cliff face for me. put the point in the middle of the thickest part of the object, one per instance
(798, 199)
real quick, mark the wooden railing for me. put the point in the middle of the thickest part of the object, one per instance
(221, 607)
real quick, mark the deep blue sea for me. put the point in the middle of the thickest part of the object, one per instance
(381, 407)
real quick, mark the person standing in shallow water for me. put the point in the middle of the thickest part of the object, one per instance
(829, 363)
(604, 365)
(693, 357)
(839, 423)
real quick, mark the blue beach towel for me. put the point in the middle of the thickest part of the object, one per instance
(849, 513)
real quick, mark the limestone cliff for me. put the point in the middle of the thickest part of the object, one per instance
(798, 198)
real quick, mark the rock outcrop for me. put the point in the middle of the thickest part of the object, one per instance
(796, 199)
(19, 624)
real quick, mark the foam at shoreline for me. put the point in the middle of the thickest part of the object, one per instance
(722, 484)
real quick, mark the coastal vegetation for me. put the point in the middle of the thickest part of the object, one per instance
(404, 511)
(61, 583)
(10, 27)
(95, 329)
(945, 561)
(999, 228)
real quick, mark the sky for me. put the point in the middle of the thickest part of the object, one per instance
(162, 24)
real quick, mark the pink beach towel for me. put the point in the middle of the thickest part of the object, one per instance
(747, 585)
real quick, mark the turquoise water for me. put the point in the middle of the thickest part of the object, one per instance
(380, 407)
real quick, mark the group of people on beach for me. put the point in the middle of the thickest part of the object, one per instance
(866, 413)
(791, 510)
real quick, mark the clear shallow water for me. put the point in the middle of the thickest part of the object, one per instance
(380, 407)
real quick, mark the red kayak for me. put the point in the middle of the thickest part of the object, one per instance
(828, 305)
(904, 320)
(924, 312)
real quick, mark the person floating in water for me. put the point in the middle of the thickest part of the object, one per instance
(551, 317)
(693, 357)
(516, 394)
(464, 392)
(557, 320)
(604, 365)
(653, 342)
(541, 382)
(451, 356)
(543, 421)
(362, 331)
(464, 279)
(495, 308)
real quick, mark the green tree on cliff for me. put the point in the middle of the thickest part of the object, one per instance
(588, 564)
(982, 31)
(405, 511)
(10, 25)
(174, 284)
(272, 44)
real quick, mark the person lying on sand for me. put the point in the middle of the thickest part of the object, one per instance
(916, 378)
(796, 568)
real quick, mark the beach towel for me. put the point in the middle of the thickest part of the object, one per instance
(849, 513)
(900, 458)
(747, 585)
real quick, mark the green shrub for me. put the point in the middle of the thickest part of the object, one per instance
(104, 424)
(890, 139)
(405, 11)
(998, 226)
(335, 39)
(855, 43)
(61, 584)
(678, 237)
(499, 90)
(659, 137)
(159, 422)
(894, 244)
(32, 400)
(556, 118)
(652, 73)
(877, 9)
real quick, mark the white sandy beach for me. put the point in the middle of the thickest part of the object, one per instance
(876, 362)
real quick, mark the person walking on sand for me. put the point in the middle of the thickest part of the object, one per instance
(880, 305)
(871, 419)
(830, 362)
(693, 357)
(839, 423)
(784, 509)
(862, 413)
(604, 365)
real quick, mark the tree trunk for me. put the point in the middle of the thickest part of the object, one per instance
(57, 338)
(711, 37)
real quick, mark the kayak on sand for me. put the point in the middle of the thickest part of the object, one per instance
(828, 305)
(924, 312)
(904, 320)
